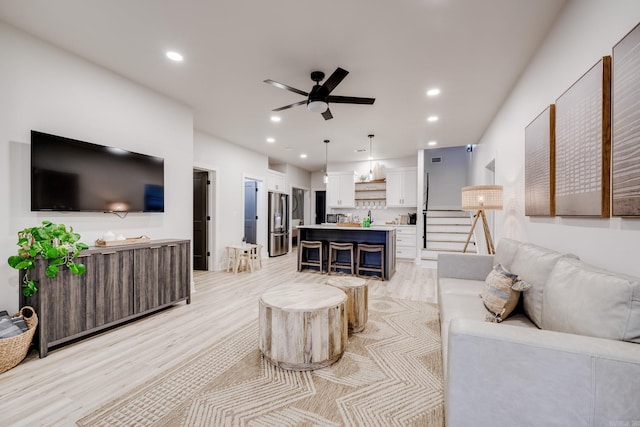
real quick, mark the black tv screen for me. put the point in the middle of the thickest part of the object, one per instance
(71, 175)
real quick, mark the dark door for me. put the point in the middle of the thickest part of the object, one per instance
(200, 181)
(321, 206)
(250, 210)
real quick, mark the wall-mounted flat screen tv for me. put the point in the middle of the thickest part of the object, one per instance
(71, 175)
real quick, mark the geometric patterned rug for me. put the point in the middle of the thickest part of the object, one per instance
(389, 375)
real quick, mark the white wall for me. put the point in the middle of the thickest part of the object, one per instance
(585, 31)
(47, 89)
(446, 179)
(232, 164)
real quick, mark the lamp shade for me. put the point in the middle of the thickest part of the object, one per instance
(485, 197)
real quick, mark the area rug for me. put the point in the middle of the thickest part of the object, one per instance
(390, 374)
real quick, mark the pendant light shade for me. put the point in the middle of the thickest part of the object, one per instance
(326, 161)
(370, 156)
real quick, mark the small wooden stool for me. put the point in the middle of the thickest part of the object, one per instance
(303, 326)
(357, 300)
(255, 256)
(363, 249)
(334, 264)
(308, 245)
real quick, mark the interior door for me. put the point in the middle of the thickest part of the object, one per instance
(250, 210)
(200, 202)
(321, 208)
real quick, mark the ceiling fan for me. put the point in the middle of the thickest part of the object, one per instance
(320, 96)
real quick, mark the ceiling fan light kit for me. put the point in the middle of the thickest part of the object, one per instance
(320, 96)
(317, 106)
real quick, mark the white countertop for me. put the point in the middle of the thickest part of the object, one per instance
(336, 227)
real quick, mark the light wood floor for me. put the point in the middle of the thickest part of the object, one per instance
(77, 379)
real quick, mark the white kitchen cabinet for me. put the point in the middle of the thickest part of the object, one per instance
(406, 241)
(276, 182)
(340, 190)
(402, 187)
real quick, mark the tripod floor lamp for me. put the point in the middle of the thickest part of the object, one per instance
(480, 198)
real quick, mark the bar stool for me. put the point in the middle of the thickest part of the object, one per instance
(255, 256)
(363, 249)
(309, 245)
(334, 250)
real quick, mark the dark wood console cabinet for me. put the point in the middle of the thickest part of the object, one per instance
(121, 284)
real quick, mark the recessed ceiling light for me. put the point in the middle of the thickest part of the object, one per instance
(303, 156)
(275, 118)
(432, 143)
(432, 119)
(433, 92)
(271, 140)
(174, 56)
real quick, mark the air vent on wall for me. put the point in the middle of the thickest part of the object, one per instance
(436, 159)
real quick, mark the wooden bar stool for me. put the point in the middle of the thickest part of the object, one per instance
(334, 264)
(255, 256)
(310, 245)
(363, 250)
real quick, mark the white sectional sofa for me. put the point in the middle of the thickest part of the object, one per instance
(568, 356)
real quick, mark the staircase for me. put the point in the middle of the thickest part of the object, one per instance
(447, 231)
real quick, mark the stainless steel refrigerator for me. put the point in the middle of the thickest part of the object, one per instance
(278, 224)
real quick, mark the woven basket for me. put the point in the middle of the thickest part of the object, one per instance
(14, 349)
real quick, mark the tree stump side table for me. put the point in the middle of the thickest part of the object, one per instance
(303, 326)
(357, 300)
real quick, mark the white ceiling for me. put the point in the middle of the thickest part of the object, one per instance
(473, 50)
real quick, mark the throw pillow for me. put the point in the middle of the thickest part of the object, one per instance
(501, 293)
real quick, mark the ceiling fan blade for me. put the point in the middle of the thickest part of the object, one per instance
(350, 100)
(285, 87)
(327, 115)
(286, 107)
(334, 79)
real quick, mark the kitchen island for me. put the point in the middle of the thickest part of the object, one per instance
(378, 235)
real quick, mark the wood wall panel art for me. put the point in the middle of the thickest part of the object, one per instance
(583, 145)
(625, 143)
(539, 169)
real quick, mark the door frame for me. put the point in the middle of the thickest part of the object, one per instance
(205, 226)
(312, 201)
(212, 209)
(261, 209)
(306, 202)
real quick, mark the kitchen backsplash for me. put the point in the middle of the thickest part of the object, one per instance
(379, 216)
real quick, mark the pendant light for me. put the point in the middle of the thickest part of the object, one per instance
(370, 156)
(326, 161)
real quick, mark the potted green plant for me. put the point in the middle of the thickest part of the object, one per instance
(56, 243)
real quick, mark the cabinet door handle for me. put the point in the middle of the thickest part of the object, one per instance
(172, 245)
(109, 253)
(155, 247)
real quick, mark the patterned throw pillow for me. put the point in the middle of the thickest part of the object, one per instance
(501, 293)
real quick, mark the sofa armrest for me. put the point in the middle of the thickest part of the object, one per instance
(464, 266)
(533, 377)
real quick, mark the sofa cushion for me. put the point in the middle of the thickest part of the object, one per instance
(533, 264)
(506, 252)
(501, 293)
(448, 285)
(582, 299)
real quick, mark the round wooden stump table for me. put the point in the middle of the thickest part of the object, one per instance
(303, 326)
(357, 300)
